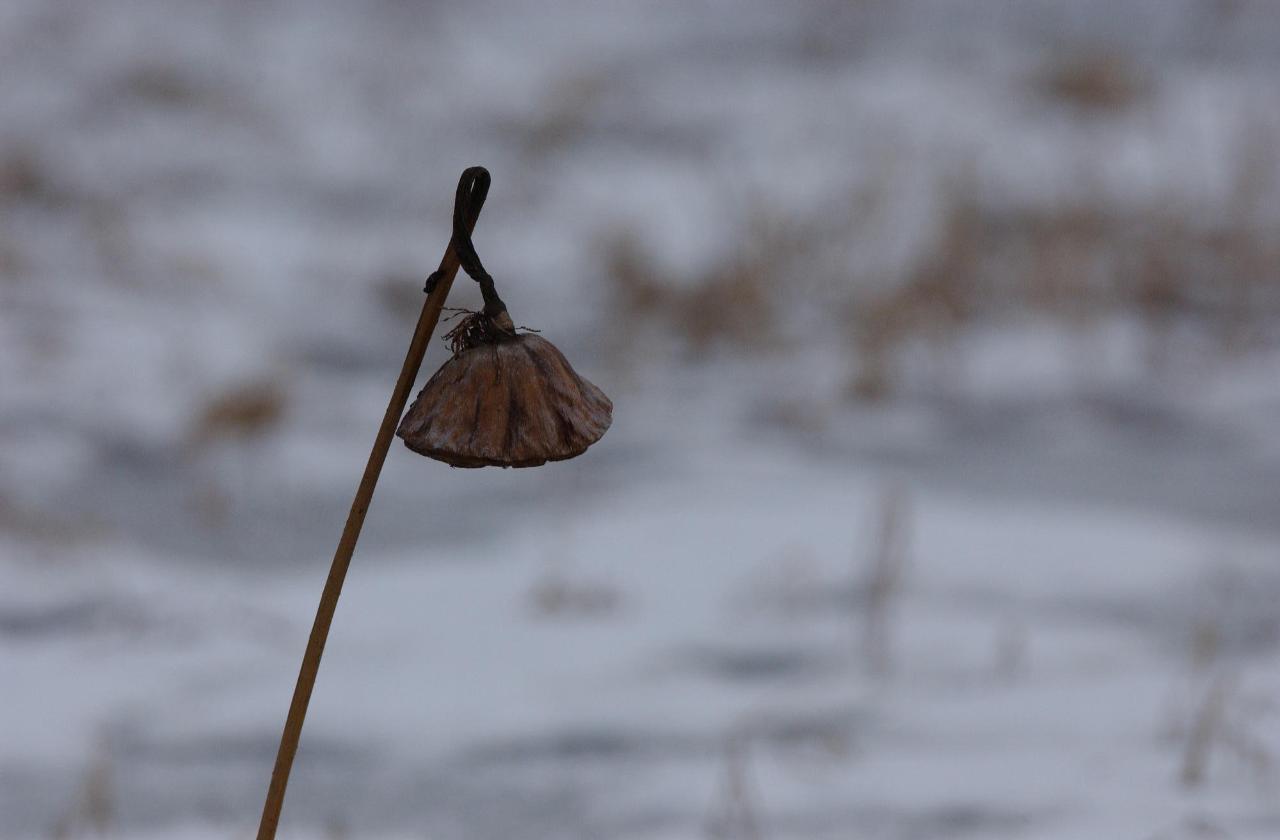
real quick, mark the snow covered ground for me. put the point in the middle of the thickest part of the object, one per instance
(1030, 593)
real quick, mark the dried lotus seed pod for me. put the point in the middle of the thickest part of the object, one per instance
(505, 399)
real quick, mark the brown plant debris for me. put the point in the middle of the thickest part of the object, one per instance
(505, 399)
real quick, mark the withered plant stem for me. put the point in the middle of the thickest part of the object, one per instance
(475, 183)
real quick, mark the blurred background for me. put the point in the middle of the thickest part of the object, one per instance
(943, 492)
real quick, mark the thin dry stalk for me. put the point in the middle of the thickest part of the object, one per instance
(99, 795)
(427, 321)
(735, 817)
(1205, 729)
(885, 579)
(94, 809)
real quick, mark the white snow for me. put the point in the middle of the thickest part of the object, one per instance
(666, 638)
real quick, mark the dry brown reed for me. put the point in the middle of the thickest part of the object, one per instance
(734, 814)
(884, 577)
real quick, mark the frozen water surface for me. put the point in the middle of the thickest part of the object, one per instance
(1028, 592)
